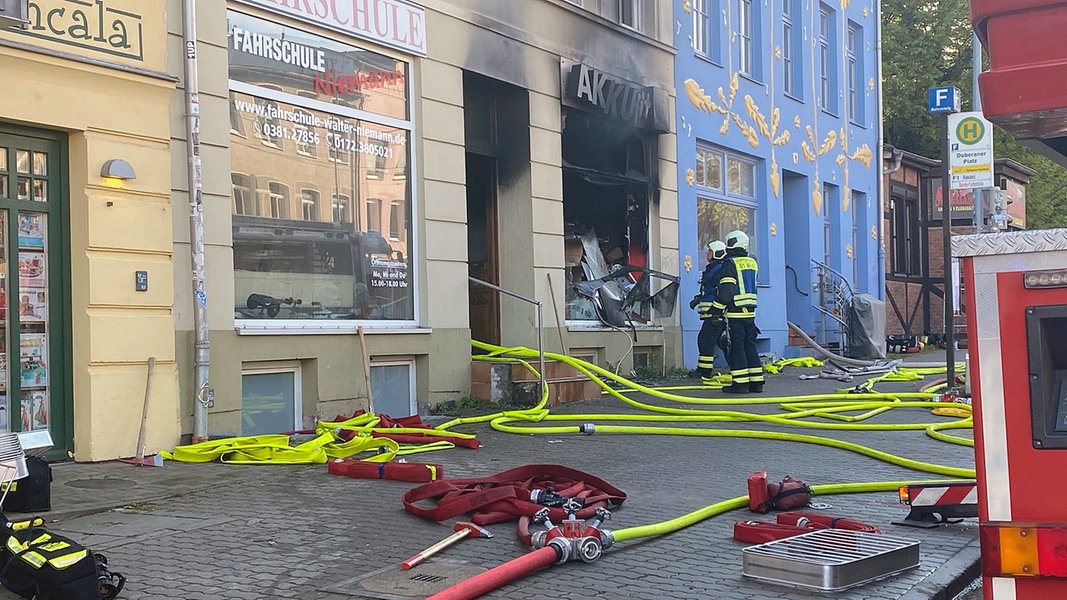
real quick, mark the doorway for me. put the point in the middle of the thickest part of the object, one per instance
(33, 305)
(482, 251)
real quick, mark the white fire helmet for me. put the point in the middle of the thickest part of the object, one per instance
(717, 249)
(737, 239)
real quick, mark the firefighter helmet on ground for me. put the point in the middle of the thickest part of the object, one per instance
(717, 249)
(737, 239)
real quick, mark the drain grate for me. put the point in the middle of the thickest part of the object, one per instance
(830, 559)
(429, 578)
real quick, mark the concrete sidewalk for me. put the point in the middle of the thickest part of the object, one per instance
(217, 531)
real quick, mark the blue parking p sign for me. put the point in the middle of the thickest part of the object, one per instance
(944, 99)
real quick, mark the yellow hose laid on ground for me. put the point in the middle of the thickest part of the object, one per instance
(672, 525)
(823, 406)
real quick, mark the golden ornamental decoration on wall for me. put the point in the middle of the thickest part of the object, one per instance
(754, 125)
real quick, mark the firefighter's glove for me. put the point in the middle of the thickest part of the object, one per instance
(715, 319)
(704, 310)
(694, 302)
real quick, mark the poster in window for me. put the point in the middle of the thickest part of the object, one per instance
(31, 269)
(33, 306)
(34, 410)
(4, 409)
(31, 230)
(32, 358)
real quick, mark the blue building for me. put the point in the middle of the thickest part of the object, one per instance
(778, 121)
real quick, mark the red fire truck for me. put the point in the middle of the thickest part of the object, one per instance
(1016, 294)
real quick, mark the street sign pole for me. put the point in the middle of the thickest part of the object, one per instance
(945, 101)
(946, 229)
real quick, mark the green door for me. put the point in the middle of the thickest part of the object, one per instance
(34, 297)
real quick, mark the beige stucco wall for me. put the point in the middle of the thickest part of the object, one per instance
(458, 39)
(538, 34)
(120, 111)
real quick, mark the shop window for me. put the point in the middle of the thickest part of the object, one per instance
(309, 201)
(393, 388)
(400, 171)
(300, 250)
(270, 399)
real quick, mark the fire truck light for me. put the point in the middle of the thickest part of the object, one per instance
(1015, 550)
(1045, 279)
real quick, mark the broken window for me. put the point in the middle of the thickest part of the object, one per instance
(607, 193)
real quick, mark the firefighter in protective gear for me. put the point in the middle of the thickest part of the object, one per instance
(736, 300)
(713, 327)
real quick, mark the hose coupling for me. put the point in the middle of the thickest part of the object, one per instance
(587, 429)
(537, 539)
(607, 539)
(563, 549)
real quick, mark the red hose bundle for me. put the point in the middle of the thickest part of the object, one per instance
(794, 523)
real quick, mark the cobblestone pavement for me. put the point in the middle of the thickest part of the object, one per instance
(214, 531)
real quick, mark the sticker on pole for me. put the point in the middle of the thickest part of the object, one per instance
(970, 160)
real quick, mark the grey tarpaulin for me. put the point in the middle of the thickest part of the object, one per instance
(866, 327)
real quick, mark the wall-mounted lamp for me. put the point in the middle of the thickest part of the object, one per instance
(116, 168)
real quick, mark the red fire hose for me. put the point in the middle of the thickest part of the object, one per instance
(501, 575)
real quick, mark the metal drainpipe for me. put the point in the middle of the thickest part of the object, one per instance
(204, 396)
(881, 142)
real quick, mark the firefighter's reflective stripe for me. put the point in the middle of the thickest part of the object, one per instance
(705, 362)
(66, 560)
(746, 269)
(42, 543)
(755, 375)
(739, 377)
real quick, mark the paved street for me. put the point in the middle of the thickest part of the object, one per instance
(215, 531)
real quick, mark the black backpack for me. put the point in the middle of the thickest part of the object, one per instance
(36, 563)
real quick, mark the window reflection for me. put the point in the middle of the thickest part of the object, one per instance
(297, 252)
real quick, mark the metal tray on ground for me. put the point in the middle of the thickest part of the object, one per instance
(830, 559)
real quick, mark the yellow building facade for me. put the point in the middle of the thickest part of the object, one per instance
(361, 162)
(87, 94)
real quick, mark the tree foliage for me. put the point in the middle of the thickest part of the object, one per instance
(928, 43)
